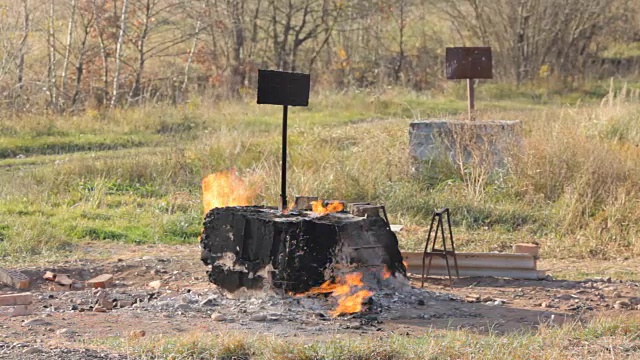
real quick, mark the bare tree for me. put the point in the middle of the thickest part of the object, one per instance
(292, 24)
(87, 17)
(154, 32)
(52, 87)
(22, 47)
(67, 52)
(192, 51)
(527, 34)
(119, 52)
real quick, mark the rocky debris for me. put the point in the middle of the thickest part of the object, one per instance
(33, 350)
(100, 294)
(22, 351)
(65, 332)
(621, 305)
(125, 303)
(258, 317)
(106, 304)
(35, 322)
(218, 317)
(472, 298)
(137, 334)
(156, 285)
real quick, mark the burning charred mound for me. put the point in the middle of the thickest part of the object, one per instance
(254, 247)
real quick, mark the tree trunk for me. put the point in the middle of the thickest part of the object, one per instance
(103, 53)
(22, 49)
(119, 51)
(51, 71)
(192, 51)
(67, 53)
(136, 90)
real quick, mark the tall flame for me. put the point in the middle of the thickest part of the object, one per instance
(343, 288)
(224, 188)
(318, 207)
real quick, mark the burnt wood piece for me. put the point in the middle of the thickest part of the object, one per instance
(257, 247)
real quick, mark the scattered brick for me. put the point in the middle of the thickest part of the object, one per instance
(14, 278)
(16, 299)
(63, 280)
(100, 281)
(531, 249)
(17, 310)
(49, 276)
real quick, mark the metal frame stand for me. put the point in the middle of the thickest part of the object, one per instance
(444, 253)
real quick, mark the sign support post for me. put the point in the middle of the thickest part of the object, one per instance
(471, 95)
(283, 174)
(286, 89)
(469, 63)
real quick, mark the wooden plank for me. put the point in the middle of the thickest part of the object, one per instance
(527, 274)
(14, 278)
(477, 260)
(16, 299)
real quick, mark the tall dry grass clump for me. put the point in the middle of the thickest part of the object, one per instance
(587, 175)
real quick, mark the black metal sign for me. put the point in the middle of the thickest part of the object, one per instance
(286, 89)
(283, 88)
(469, 63)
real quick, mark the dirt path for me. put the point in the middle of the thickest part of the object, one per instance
(183, 301)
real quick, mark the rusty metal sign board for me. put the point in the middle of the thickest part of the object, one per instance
(469, 63)
(283, 88)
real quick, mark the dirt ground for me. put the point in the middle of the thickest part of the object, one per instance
(65, 325)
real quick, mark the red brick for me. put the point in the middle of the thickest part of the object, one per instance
(16, 299)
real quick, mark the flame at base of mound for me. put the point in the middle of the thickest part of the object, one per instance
(350, 299)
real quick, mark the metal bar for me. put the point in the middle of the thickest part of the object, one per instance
(453, 247)
(477, 260)
(472, 99)
(426, 249)
(529, 274)
(283, 184)
(444, 246)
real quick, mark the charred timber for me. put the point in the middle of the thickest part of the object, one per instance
(256, 247)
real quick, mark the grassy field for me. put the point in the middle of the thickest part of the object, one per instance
(133, 176)
(615, 338)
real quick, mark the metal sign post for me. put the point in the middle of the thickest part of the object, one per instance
(469, 63)
(286, 89)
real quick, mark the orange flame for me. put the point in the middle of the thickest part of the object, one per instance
(224, 188)
(332, 207)
(342, 288)
(386, 273)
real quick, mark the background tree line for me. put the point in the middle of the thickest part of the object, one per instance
(63, 55)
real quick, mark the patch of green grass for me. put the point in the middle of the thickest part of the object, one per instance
(52, 145)
(611, 337)
(573, 187)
